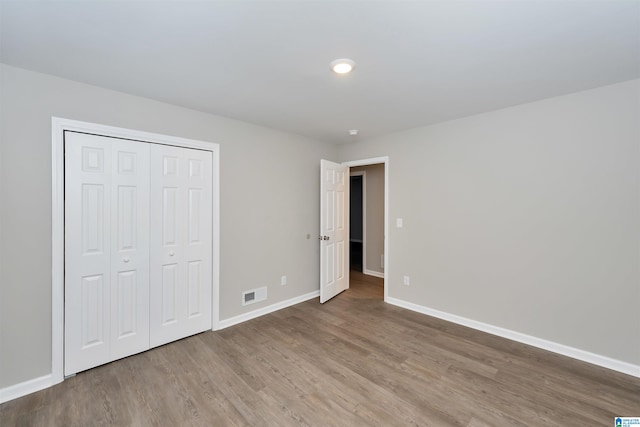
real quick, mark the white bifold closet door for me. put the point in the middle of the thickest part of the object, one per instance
(106, 250)
(138, 269)
(180, 243)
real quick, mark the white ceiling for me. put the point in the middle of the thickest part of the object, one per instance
(267, 62)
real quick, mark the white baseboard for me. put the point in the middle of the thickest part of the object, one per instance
(266, 310)
(575, 353)
(26, 387)
(373, 273)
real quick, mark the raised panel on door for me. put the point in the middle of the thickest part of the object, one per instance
(87, 251)
(129, 248)
(169, 292)
(181, 203)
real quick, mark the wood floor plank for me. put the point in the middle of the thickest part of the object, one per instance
(353, 361)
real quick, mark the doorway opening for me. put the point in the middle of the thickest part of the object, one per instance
(368, 218)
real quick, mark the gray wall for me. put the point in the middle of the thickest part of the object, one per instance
(375, 215)
(269, 202)
(526, 218)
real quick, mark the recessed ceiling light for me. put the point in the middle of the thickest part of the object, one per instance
(353, 132)
(343, 66)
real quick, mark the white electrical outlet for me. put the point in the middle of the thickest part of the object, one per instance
(407, 280)
(283, 280)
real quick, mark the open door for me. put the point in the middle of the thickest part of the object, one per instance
(334, 229)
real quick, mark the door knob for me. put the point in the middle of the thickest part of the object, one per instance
(172, 253)
(125, 259)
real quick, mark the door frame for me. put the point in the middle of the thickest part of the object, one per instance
(58, 127)
(374, 161)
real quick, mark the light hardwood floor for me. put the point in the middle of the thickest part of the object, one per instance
(353, 361)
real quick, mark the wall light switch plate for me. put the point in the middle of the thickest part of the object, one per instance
(399, 222)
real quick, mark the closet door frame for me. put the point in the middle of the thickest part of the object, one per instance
(58, 128)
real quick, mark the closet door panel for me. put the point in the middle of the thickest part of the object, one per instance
(180, 243)
(106, 250)
(129, 248)
(138, 247)
(166, 267)
(87, 251)
(198, 244)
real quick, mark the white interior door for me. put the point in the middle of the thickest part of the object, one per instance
(334, 229)
(181, 268)
(106, 250)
